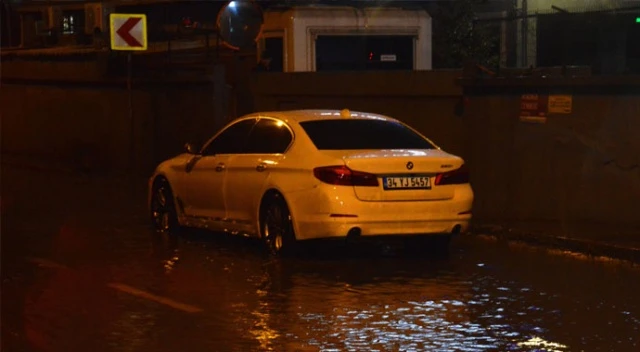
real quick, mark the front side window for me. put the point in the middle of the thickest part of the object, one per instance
(232, 140)
(359, 134)
(268, 137)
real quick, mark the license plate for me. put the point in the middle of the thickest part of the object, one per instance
(412, 182)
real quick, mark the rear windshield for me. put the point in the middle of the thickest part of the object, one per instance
(363, 134)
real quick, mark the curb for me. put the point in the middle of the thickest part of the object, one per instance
(588, 247)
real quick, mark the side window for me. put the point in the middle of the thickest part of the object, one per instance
(269, 137)
(230, 141)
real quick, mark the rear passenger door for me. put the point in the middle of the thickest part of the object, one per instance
(249, 172)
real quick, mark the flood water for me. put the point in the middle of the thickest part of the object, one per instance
(83, 278)
(485, 296)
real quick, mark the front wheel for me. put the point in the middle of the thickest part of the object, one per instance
(277, 226)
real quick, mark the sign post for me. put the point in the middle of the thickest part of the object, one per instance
(129, 33)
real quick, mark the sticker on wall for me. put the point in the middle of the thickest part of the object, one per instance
(388, 57)
(534, 119)
(533, 108)
(560, 104)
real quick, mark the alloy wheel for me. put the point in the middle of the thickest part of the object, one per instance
(276, 228)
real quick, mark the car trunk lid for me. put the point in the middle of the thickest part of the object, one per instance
(403, 175)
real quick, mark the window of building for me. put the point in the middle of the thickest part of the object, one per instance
(68, 25)
(73, 21)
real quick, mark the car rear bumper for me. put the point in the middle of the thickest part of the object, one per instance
(310, 230)
(346, 215)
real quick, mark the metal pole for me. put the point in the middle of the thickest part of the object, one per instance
(525, 34)
(9, 13)
(217, 46)
(131, 121)
(208, 46)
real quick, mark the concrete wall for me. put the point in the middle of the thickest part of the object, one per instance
(60, 123)
(53, 122)
(583, 166)
(81, 69)
(60, 106)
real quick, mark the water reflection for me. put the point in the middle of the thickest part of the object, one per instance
(130, 330)
(338, 302)
(539, 343)
(382, 305)
(263, 333)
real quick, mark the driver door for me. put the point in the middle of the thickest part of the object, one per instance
(207, 173)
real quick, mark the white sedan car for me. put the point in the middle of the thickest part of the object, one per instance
(310, 174)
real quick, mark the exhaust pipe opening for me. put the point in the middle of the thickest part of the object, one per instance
(353, 234)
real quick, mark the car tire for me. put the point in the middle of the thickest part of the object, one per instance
(276, 225)
(164, 217)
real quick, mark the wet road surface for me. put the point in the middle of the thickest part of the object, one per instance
(82, 272)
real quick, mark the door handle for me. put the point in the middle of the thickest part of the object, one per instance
(261, 167)
(220, 167)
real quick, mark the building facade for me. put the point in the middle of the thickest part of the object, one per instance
(601, 34)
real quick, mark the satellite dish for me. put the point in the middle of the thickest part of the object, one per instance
(240, 24)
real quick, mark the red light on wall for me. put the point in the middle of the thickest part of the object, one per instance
(370, 56)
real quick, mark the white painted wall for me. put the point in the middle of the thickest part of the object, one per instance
(300, 27)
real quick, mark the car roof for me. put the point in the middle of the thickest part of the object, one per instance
(321, 114)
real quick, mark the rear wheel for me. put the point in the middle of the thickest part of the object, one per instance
(164, 217)
(276, 225)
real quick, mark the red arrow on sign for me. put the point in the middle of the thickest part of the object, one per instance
(124, 32)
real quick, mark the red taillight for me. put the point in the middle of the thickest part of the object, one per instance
(453, 177)
(343, 176)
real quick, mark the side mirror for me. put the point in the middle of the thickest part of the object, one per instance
(190, 148)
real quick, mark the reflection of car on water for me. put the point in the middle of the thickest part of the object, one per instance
(307, 174)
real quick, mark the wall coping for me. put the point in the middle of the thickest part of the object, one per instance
(511, 82)
(368, 83)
